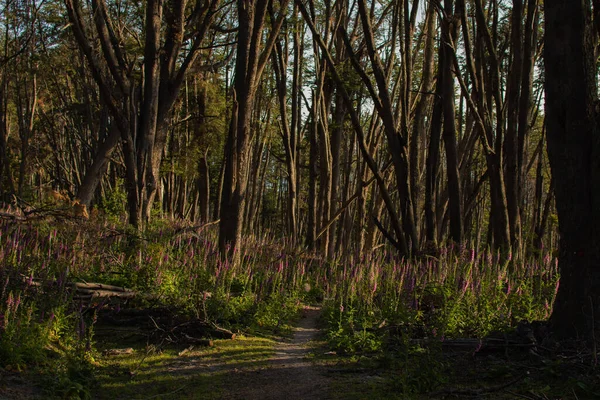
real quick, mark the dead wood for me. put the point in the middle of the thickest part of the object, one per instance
(83, 291)
(198, 342)
(94, 294)
(163, 325)
(203, 328)
(99, 286)
(13, 217)
(118, 352)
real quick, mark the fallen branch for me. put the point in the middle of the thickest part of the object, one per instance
(195, 229)
(13, 217)
(99, 286)
(96, 294)
(83, 291)
(118, 352)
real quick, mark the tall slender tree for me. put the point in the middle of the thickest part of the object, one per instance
(252, 54)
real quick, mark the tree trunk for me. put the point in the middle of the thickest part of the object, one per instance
(449, 33)
(433, 155)
(573, 151)
(313, 174)
(96, 171)
(418, 140)
(511, 143)
(203, 189)
(250, 63)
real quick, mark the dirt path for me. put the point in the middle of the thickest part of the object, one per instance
(289, 374)
(248, 369)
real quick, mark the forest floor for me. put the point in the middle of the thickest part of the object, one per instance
(297, 366)
(289, 373)
(301, 366)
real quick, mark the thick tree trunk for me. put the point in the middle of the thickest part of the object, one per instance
(250, 62)
(574, 154)
(230, 226)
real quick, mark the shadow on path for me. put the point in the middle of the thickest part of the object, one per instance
(288, 373)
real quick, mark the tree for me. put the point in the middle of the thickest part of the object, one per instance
(573, 150)
(251, 58)
(173, 32)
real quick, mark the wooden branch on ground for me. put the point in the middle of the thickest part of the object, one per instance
(14, 217)
(118, 352)
(85, 291)
(199, 342)
(99, 286)
(205, 329)
(84, 294)
(196, 228)
(487, 343)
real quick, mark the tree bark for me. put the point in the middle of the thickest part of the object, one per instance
(512, 149)
(251, 59)
(449, 33)
(419, 137)
(96, 171)
(573, 150)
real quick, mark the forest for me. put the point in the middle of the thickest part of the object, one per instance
(389, 199)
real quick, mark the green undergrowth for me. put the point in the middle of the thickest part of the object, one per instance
(394, 313)
(397, 321)
(48, 334)
(431, 374)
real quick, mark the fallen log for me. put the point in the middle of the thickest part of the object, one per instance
(118, 352)
(198, 341)
(485, 344)
(84, 291)
(203, 328)
(14, 217)
(99, 286)
(94, 294)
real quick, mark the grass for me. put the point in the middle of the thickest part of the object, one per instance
(386, 315)
(148, 374)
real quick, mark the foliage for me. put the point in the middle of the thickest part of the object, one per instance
(375, 306)
(386, 305)
(41, 331)
(113, 203)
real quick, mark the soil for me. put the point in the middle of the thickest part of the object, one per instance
(14, 386)
(289, 374)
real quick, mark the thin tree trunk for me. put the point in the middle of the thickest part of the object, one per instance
(511, 143)
(449, 33)
(204, 188)
(418, 140)
(96, 171)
